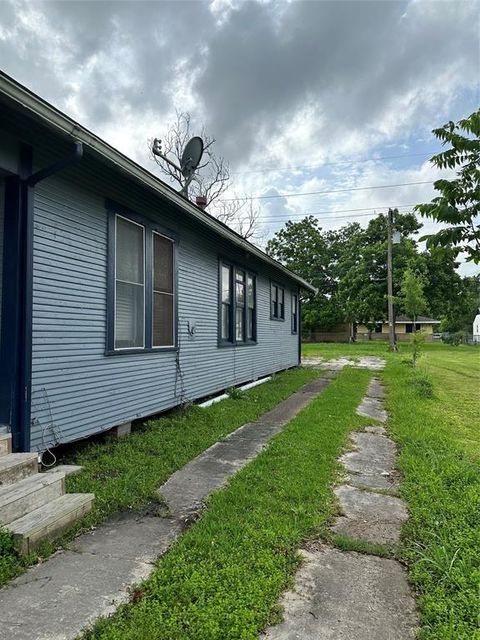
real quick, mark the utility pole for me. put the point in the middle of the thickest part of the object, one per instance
(391, 321)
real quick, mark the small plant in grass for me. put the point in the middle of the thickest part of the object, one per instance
(10, 562)
(346, 543)
(423, 384)
(235, 393)
(418, 342)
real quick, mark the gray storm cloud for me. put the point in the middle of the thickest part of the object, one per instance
(248, 75)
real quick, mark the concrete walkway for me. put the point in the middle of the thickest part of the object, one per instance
(336, 364)
(340, 595)
(57, 599)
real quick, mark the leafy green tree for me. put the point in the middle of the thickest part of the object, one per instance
(461, 308)
(442, 283)
(458, 202)
(412, 297)
(306, 249)
(362, 272)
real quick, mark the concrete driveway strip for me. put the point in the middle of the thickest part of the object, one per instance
(56, 600)
(185, 491)
(340, 595)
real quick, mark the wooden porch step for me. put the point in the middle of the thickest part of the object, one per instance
(24, 496)
(50, 520)
(16, 466)
(5, 444)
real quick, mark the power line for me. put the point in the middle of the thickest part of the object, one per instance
(337, 162)
(285, 216)
(314, 193)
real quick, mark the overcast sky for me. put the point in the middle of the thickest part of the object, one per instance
(301, 96)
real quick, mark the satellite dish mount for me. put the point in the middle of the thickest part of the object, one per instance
(191, 156)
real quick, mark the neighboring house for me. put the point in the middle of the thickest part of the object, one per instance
(476, 328)
(119, 298)
(404, 328)
(342, 332)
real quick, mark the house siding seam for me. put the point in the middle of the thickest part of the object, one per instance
(76, 389)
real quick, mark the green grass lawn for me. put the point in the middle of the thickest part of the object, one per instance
(439, 441)
(123, 474)
(222, 579)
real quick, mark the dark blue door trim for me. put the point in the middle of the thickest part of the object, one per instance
(16, 344)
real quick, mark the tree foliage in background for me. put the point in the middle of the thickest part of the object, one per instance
(458, 204)
(348, 266)
(304, 248)
(362, 268)
(211, 180)
(412, 298)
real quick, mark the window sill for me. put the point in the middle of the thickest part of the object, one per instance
(229, 345)
(128, 352)
(277, 319)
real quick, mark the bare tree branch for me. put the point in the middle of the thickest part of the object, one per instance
(211, 180)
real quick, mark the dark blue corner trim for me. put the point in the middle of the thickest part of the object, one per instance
(10, 307)
(16, 349)
(17, 294)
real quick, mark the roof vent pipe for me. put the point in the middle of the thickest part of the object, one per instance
(201, 201)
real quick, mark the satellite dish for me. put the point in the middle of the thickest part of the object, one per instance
(191, 156)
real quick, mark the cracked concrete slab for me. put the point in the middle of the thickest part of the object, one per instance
(347, 596)
(369, 516)
(385, 483)
(372, 408)
(372, 463)
(373, 453)
(336, 364)
(375, 389)
(380, 431)
(57, 599)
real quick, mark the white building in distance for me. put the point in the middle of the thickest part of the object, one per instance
(476, 328)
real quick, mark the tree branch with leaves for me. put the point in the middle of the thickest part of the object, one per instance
(458, 204)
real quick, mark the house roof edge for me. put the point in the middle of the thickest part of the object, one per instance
(66, 126)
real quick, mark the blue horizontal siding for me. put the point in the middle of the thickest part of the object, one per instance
(76, 389)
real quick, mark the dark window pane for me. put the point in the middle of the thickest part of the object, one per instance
(129, 315)
(274, 293)
(240, 275)
(163, 320)
(239, 328)
(129, 252)
(226, 284)
(250, 292)
(162, 264)
(240, 289)
(225, 322)
(250, 334)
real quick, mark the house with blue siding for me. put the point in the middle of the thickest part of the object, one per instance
(119, 298)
